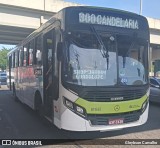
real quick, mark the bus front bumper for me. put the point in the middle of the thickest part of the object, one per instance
(73, 122)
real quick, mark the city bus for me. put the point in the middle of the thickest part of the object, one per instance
(85, 69)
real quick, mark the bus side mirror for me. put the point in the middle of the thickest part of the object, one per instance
(59, 51)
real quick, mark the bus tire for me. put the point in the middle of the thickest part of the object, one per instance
(14, 93)
(38, 103)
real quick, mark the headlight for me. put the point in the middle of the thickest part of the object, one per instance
(74, 107)
(80, 110)
(68, 103)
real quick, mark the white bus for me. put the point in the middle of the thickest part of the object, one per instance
(86, 69)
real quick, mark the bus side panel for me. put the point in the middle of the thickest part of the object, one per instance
(19, 87)
(28, 79)
(27, 84)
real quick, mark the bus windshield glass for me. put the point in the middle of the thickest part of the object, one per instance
(103, 59)
(132, 60)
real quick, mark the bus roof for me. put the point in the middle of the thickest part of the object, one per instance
(60, 13)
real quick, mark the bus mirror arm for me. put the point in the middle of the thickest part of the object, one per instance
(59, 51)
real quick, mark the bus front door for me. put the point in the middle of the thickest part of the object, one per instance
(48, 73)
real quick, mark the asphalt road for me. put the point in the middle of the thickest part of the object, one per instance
(17, 121)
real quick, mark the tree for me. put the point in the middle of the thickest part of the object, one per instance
(3, 58)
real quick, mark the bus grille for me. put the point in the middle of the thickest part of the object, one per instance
(105, 96)
(104, 119)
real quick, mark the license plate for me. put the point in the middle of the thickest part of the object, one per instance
(115, 121)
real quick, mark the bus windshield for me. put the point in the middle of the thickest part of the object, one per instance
(86, 64)
(132, 60)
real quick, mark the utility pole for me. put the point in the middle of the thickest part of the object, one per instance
(44, 4)
(140, 12)
(42, 16)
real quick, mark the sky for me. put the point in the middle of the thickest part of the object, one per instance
(150, 8)
(6, 46)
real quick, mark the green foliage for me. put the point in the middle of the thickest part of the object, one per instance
(3, 58)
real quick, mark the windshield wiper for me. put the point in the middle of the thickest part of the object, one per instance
(103, 49)
(78, 66)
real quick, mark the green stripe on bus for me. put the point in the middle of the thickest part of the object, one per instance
(111, 107)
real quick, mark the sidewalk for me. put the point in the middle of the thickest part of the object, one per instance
(98, 143)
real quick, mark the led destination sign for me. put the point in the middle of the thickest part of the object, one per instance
(108, 20)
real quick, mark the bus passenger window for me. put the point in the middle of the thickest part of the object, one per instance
(49, 48)
(30, 58)
(11, 57)
(21, 57)
(16, 59)
(13, 60)
(37, 57)
(10, 61)
(25, 56)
